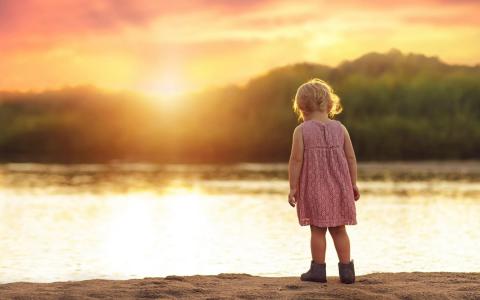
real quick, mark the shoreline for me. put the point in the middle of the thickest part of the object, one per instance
(403, 285)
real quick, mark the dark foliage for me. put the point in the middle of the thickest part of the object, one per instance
(396, 107)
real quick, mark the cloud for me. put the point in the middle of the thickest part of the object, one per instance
(469, 18)
(57, 16)
(39, 24)
(77, 15)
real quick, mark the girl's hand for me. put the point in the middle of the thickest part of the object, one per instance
(291, 199)
(356, 192)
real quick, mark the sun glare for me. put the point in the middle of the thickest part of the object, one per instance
(165, 87)
(131, 243)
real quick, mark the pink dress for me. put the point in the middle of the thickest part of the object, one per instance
(325, 193)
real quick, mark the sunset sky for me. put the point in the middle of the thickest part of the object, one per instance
(176, 46)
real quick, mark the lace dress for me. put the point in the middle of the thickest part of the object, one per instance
(325, 194)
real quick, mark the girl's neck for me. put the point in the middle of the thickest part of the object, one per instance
(317, 115)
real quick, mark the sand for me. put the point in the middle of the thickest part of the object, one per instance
(415, 285)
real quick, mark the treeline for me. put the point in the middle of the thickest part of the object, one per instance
(396, 107)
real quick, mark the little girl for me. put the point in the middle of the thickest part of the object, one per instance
(323, 172)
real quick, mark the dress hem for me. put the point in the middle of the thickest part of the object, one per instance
(328, 224)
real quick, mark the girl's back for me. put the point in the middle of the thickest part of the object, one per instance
(317, 134)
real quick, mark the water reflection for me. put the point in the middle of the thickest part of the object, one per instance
(94, 221)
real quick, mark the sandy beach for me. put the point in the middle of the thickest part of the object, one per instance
(415, 285)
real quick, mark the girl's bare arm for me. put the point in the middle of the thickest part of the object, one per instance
(351, 159)
(296, 160)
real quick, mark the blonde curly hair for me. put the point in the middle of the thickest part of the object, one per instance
(316, 95)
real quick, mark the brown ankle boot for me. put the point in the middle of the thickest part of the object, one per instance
(347, 272)
(316, 273)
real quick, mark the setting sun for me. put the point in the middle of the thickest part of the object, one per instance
(166, 85)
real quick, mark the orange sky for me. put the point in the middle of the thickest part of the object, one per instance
(175, 46)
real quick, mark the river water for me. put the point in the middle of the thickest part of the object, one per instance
(119, 221)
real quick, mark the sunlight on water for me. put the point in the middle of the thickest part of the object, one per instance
(133, 221)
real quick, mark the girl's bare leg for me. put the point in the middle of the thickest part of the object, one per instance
(318, 243)
(342, 243)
